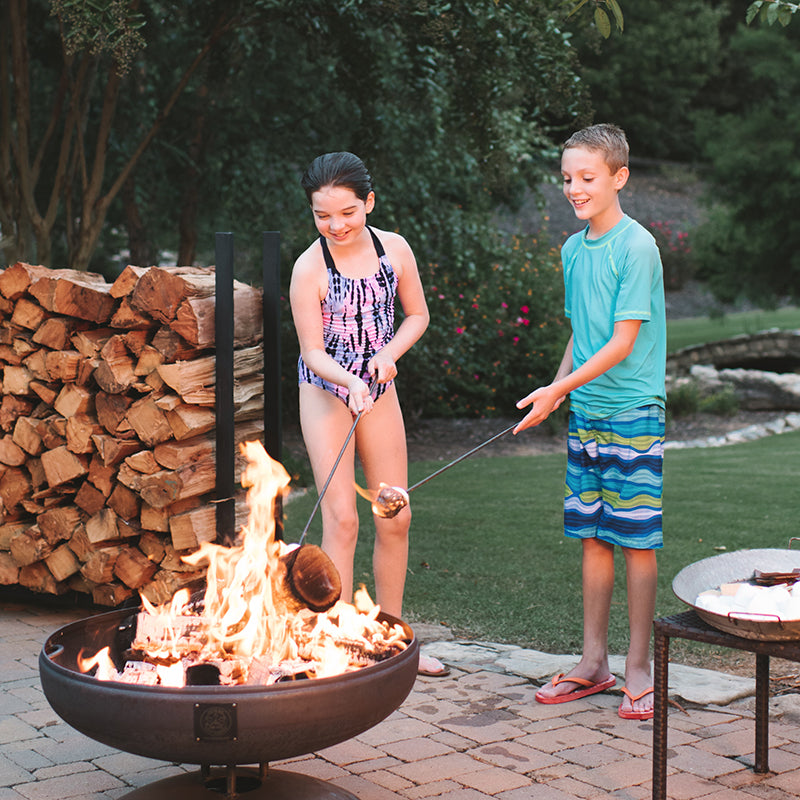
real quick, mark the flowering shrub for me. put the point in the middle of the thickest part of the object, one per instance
(497, 331)
(676, 254)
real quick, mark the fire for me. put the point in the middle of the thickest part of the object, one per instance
(249, 627)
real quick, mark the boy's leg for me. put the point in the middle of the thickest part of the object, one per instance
(598, 586)
(642, 572)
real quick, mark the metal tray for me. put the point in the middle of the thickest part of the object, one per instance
(710, 573)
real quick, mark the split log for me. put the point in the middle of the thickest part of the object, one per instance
(11, 453)
(28, 547)
(160, 291)
(62, 563)
(55, 332)
(9, 570)
(58, 524)
(99, 568)
(149, 421)
(28, 315)
(111, 594)
(38, 578)
(74, 294)
(89, 498)
(27, 436)
(17, 380)
(61, 466)
(134, 568)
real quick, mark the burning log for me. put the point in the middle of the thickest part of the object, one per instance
(93, 468)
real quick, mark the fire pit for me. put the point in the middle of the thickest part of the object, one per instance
(238, 677)
(220, 725)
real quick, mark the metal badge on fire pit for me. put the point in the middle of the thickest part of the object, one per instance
(215, 722)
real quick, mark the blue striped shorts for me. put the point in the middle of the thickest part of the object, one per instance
(615, 478)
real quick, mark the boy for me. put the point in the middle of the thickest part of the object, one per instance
(613, 369)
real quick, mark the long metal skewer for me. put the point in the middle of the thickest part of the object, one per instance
(391, 499)
(335, 465)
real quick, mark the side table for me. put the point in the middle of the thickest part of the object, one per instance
(689, 625)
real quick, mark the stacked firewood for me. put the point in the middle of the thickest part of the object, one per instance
(107, 426)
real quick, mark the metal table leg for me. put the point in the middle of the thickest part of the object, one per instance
(660, 711)
(762, 713)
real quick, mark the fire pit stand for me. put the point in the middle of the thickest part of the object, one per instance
(244, 783)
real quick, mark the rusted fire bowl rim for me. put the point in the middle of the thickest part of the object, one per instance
(739, 565)
(218, 725)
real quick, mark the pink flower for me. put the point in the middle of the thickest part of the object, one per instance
(515, 339)
(524, 309)
(460, 330)
(504, 304)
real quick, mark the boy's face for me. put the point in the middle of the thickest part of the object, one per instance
(589, 185)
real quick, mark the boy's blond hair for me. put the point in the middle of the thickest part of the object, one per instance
(604, 138)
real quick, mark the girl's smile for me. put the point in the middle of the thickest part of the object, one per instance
(340, 216)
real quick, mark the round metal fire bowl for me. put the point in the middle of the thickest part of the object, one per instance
(710, 573)
(277, 785)
(222, 725)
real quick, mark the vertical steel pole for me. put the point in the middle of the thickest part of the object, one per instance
(271, 274)
(272, 343)
(223, 323)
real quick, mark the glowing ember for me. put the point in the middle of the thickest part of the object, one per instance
(248, 628)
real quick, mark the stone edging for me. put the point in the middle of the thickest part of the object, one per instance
(790, 422)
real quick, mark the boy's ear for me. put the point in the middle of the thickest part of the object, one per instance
(621, 177)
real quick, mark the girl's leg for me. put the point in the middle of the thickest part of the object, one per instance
(381, 442)
(642, 572)
(382, 450)
(325, 421)
(598, 586)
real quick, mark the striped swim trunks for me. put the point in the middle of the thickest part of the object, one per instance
(615, 478)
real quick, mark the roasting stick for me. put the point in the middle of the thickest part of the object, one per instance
(391, 499)
(335, 465)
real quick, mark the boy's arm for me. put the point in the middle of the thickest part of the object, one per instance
(548, 398)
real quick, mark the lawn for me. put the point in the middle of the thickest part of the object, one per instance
(698, 330)
(488, 558)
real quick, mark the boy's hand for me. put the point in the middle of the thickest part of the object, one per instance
(545, 400)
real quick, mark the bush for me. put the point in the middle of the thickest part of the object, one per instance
(497, 329)
(676, 254)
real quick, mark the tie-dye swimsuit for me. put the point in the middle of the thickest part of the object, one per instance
(357, 320)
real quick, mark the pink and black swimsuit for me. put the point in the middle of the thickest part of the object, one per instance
(357, 320)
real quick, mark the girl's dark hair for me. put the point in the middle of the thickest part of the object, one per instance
(337, 169)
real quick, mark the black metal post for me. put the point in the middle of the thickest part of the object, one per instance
(271, 280)
(223, 323)
(271, 266)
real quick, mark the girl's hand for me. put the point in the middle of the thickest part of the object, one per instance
(359, 399)
(384, 365)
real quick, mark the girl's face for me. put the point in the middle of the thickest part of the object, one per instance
(340, 216)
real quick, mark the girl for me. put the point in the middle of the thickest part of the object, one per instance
(342, 294)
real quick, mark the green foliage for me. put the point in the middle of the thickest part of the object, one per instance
(750, 245)
(602, 19)
(650, 79)
(496, 328)
(676, 253)
(772, 11)
(99, 26)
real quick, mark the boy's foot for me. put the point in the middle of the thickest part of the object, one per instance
(639, 706)
(582, 687)
(432, 667)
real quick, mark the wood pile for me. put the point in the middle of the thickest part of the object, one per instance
(107, 426)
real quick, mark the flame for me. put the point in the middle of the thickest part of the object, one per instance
(247, 615)
(106, 671)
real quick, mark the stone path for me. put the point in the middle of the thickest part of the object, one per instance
(474, 735)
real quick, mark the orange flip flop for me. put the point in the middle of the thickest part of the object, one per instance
(589, 687)
(632, 713)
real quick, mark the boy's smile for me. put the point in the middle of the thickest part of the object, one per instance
(591, 189)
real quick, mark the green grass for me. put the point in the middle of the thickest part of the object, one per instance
(698, 330)
(489, 559)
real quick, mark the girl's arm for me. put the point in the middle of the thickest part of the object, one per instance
(547, 398)
(412, 299)
(306, 293)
